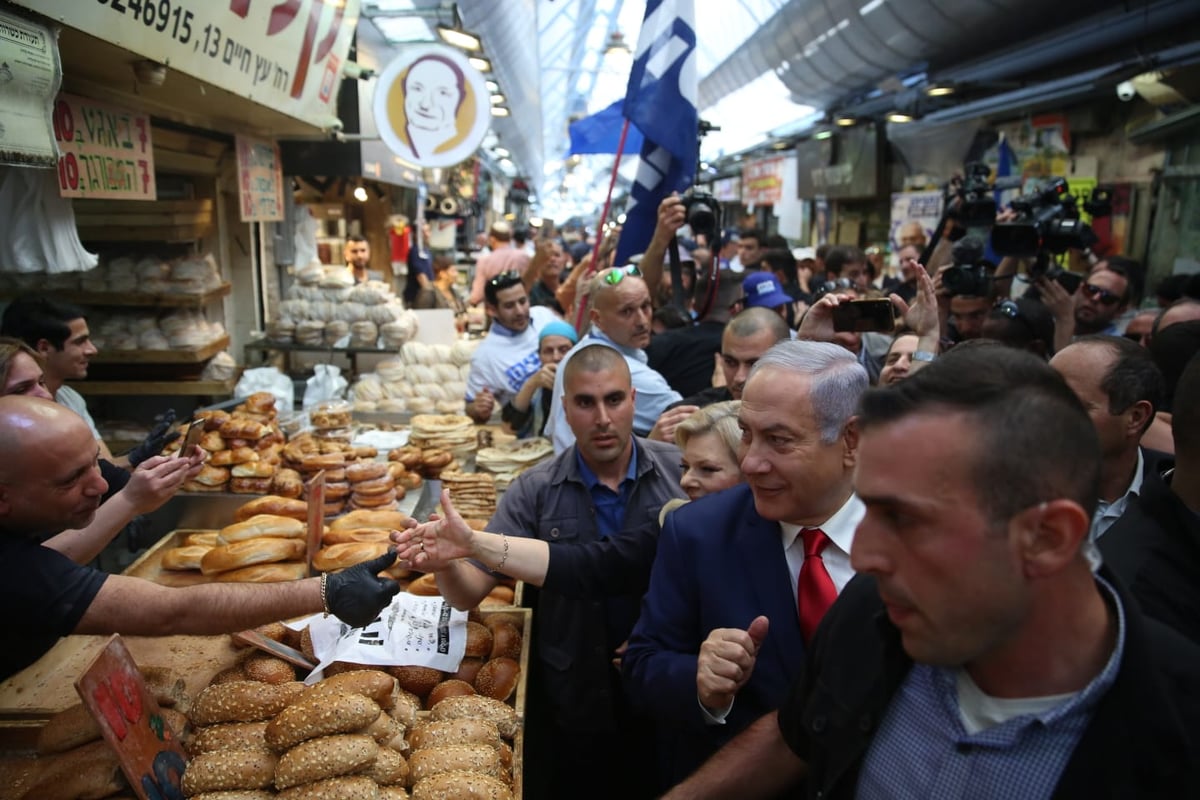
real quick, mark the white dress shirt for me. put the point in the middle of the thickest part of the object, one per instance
(840, 530)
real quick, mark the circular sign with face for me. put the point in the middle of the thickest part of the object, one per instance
(431, 106)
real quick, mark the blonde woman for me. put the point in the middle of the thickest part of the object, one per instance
(708, 443)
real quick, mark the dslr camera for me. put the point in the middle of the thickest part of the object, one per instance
(970, 274)
(703, 215)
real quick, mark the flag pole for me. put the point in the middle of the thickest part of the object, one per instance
(603, 217)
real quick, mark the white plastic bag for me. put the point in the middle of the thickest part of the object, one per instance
(326, 383)
(267, 379)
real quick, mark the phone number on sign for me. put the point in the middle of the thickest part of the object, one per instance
(157, 14)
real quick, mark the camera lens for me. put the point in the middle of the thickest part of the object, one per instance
(700, 217)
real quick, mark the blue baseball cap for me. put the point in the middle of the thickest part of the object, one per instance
(762, 289)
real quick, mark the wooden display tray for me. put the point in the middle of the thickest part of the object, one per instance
(191, 355)
(183, 388)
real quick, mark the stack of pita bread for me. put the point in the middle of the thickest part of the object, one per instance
(452, 432)
(509, 460)
(473, 493)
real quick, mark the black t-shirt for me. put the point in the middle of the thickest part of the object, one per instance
(44, 595)
(684, 356)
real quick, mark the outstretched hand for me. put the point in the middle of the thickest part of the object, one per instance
(433, 545)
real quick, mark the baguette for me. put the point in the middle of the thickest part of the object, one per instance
(251, 551)
(339, 556)
(356, 535)
(68, 729)
(272, 504)
(276, 572)
(85, 773)
(263, 525)
(206, 538)
(186, 557)
(367, 518)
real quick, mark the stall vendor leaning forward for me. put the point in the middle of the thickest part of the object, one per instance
(49, 481)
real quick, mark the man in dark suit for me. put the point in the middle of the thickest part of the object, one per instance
(724, 621)
(976, 654)
(1121, 388)
(1154, 548)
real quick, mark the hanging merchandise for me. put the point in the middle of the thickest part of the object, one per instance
(40, 233)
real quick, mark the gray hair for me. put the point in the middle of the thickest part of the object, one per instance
(838, 380)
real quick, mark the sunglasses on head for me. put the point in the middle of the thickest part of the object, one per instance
(506, 279)
(616, 274)
(1101, 295)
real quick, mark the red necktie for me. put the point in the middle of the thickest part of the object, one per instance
(814, 590)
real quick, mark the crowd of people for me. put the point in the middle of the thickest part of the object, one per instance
(956, 557)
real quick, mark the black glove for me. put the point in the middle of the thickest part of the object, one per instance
(159, 437)
(356, 596)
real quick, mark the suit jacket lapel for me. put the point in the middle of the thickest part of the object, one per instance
(765, 572)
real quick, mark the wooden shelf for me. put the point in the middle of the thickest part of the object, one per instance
(138, 299)
(188, 356)
(155, 388)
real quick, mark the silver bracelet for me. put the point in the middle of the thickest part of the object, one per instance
(504, 556)
(324, 602)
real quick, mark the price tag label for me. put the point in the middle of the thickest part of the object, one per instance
(150, 753)
(316, 516)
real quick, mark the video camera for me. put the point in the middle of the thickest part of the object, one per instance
(1049, 221)
(971, 273)
(976, 206)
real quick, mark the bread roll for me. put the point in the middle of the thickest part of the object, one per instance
(479, 640)
(424, 585)
(268, 669)
(220, 458)
(339, 556)
(347, 787)
(384, 730)
(272, 504)
(89, 771)
(211, 476)
(479, 707)
(253, 469)
(250, 551)
(373, 683)
(243, 428)
(229, 736)
(437, 733)
(365, 471)
(461, 786)
(451, 687)
(227, 770)
(418, 680)
(243, 454)
(498, 678)
(263, 526)
(320, 715)
(430, 761)
(186, 557)
(288, 483)
(390, 520)
(242, 701)
(277, 572)
(506, 641)
(325, 757)
(389, 768)
(336, 490)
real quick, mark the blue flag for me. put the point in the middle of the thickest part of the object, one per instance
(601, 133)
(661, 102)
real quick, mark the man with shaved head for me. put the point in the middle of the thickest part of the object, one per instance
(50, 480)
(596, 504)
(620, 315)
